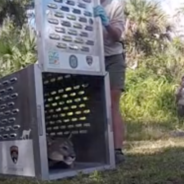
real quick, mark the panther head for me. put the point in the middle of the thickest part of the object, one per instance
(61, 149)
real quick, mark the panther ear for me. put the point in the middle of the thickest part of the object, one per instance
(70, 135)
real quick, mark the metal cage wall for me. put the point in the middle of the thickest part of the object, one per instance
(68, 31)
(35, 103)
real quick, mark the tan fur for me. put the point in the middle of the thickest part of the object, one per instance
(61, 149)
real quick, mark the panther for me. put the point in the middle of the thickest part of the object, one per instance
(61, 152)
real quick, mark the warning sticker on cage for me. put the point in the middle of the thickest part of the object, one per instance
(53, 58)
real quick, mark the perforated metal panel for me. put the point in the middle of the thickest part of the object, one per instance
(14, 111)
(9, 109)
(16, 124)
(66, 105)
(70, 38)
(36, 103)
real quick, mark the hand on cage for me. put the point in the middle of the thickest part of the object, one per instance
(99, 11)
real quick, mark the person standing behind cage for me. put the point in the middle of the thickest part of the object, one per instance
(111, 13)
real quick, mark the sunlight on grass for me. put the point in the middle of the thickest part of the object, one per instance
(152, 147)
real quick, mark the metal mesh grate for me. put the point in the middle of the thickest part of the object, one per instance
(75, 104)
(66, 105)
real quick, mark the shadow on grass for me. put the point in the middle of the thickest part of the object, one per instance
(156, 165)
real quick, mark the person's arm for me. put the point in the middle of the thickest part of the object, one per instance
(114, 32)
(116, 26)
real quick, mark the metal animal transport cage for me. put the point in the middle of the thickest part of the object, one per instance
(70, 38)
(35, 103)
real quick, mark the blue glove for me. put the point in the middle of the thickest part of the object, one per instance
(100, 12)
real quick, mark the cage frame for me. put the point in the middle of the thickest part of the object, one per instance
(38, 126)
(43, 171)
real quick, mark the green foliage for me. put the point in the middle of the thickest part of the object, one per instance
(15, 9)
(150, 87)
(145, 19)
(17, 47)
(148, 98)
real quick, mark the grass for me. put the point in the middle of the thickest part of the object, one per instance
(158, 161)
